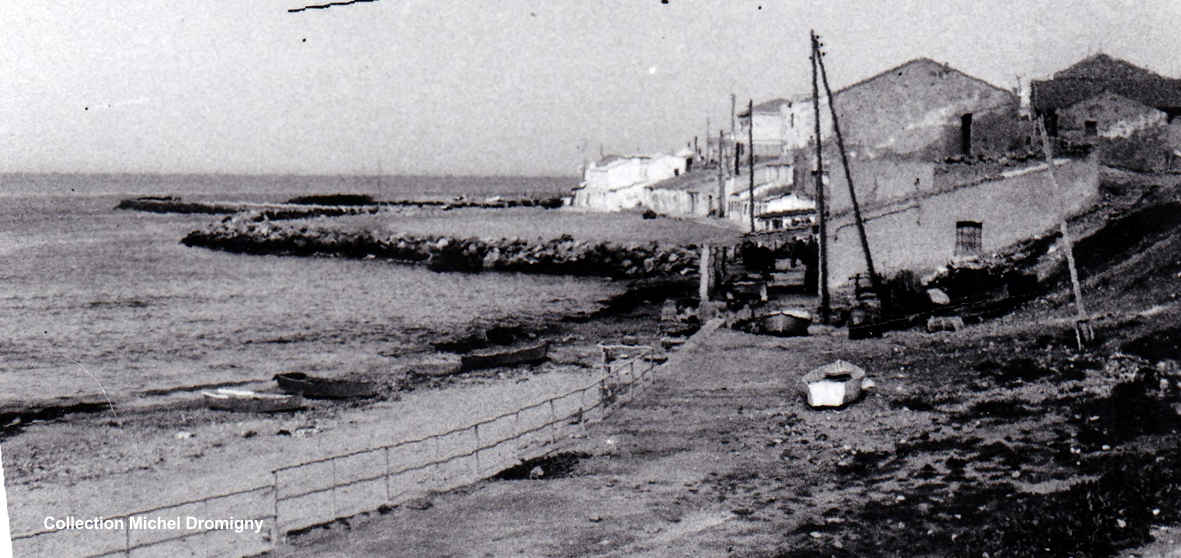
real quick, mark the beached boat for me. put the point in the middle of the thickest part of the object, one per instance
(327, 388)
(787, 323)
(243, 400)
(526, 355)
(833, 385)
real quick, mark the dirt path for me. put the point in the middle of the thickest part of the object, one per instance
(965, 438)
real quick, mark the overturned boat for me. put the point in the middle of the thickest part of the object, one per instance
(525, 355)
(243, 400)
(315, 387)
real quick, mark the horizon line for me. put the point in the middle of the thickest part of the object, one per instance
(315, 174)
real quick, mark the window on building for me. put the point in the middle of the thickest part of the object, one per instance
(966, 134)
(1092, 128)
(969, 238)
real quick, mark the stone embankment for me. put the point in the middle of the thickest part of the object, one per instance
(563, 255)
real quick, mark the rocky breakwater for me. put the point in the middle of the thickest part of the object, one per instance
(562, 255)
(255, 211)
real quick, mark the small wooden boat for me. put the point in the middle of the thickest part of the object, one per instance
(243, 400)
(327, 388)
(787, 323)
(526, 355)
(833, 385)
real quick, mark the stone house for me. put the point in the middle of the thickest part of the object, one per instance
(921, 108)
(1100, 74)
(1108, 115)
(1099, 88)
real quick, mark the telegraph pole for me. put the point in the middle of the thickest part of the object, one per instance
(721, 175)
(820, 217)
(750, 150)
(836, 127)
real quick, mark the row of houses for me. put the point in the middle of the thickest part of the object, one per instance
(935, 154)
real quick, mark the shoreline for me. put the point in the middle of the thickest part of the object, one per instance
(616, 312)
(81, 459)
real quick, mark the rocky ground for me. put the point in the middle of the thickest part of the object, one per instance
(1002, 439)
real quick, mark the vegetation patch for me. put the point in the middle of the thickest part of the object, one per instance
(556, 466)
(1125, 414)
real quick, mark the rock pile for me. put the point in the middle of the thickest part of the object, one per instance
(562, 255)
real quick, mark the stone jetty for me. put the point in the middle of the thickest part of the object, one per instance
(299, 208)
(270, 211)
(563, 255)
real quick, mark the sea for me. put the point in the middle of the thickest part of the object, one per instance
(95, 300)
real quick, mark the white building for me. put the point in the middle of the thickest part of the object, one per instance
(770, 127)
(617, 183)
(614, 171)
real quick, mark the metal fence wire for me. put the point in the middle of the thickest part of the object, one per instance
(325, 489)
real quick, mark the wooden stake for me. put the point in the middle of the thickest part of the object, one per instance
(836, 128)
(1082, 327)
(820, 217)
(705, 266)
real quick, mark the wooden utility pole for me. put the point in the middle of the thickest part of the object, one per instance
(836, 128)
(750, 150)
(733, 108)
(721, 175)
(820, 217)
(1082, 326)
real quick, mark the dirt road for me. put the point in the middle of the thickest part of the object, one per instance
(996, 439)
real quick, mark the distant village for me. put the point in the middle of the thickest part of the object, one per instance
(948, 162)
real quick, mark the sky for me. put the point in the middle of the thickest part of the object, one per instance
(504, 87)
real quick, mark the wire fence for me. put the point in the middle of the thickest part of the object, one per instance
(322, 490)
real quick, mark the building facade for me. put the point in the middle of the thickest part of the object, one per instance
(960, 218)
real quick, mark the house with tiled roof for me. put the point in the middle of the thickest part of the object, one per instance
(1100, 74)
(921, 108)
(1128, 112)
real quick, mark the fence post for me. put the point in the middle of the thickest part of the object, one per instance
(437, 464)
(553, 421)
(387, 473)
(333, 491)
(277, 535)
(603, 397)
(517, 429)
(632, 387)
(582, 407)
(476, 451)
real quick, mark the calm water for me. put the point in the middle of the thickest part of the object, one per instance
(95, 299)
